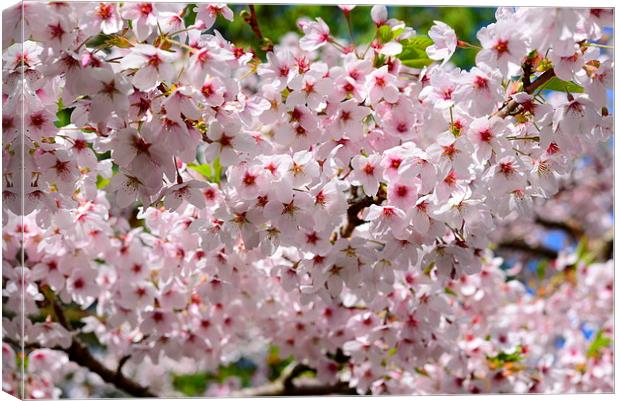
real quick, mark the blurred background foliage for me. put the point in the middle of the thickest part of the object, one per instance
(277, 20)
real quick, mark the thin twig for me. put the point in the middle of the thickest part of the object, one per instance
(252, 20)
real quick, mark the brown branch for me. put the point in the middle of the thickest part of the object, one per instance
(522, 246)
(527, 72)
(309, 387)
(80, 354)
(286, 385)
(511, 105)
(252, 20)
(608, 250)
(571, 227)
(353, 219)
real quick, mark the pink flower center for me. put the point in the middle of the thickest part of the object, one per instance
(104, 11)
(56, 31)
(79, 283)
(388, 212)
(37, 120)
(140, 145)
(312, 238)
(486, 135)
(207, 90)
(249, 179)
(501, 47)
(61, 167)
(154, 60)
(553, 148)
(506, 168)
(300, 130)
(395, 163)
(481, 82)
(401, 191)
(449, 150)
(226, 140)
(320, 198)
(284, 70)
(146, 8)
(450, 178)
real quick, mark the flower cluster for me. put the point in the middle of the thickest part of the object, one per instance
(187, 197)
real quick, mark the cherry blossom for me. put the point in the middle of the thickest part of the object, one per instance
(185, 202)
(445, 42)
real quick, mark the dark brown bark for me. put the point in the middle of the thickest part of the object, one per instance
(522, 246)
(81, 355)
(511, 105)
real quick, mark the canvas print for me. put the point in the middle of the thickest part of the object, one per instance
(214, 200)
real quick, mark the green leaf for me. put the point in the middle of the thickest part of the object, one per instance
(63, 117)
(190, 385)
(583, 254)
(190, 15)
(243, 369)
(204, 169)
(276, 363)
(118, 41)
(102, 182)
(195, 384)
(217, 170)
(212, 172)
(556, 84)
(414, 52)
(104, 156)
(417, 62)
(419, 42)
(582, 248)
(450, 291)
(97, 41)
(385, 34)
(427, 270)
(541, 269)
(599, 342)
(22, 361)
(502, 358)
(379, 61)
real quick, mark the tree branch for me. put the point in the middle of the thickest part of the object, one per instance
(80, 354)
(512, 104)
(252, 20)
(356, 207)
(310, 387)
(522, 246)
(569, 226)
(286, 385)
